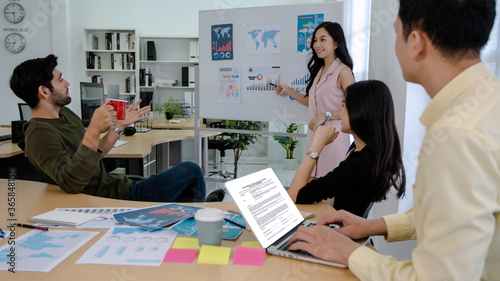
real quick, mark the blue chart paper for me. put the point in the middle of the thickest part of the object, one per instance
(153, 218)
(130, 246)
(306, 24)
(229, 230)
(222, 42)
(41, 251)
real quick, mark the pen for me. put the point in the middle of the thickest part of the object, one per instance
(32, 226)
(273, 84)
(237, 224)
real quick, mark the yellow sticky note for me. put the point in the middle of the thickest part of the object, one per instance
(254, 244)
(186, 243)
(214, 255)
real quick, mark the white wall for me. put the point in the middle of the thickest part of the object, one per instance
(56, 26)
(37, 29)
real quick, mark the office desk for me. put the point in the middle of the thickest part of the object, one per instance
(139, 146)
(34, 198)
(160, 122)
(7, 148)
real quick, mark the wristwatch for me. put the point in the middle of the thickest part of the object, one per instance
(313, 154)
(118, 131)
(328, 115)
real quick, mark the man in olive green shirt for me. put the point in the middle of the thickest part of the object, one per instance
(456, 214)
(58, 145)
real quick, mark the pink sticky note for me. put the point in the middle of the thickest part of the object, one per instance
(180, 255)
(249, 256)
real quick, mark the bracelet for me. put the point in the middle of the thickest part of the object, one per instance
(118, 131)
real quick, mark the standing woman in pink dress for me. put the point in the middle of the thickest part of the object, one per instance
(331, 72)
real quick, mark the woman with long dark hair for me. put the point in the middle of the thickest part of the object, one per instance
(330, 67)
(374, 160)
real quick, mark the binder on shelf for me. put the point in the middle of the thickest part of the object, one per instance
(132, 84)
(117, 61)
(191, 76)
(130, 41)
(193, 50)
(114, 43)
(108, 41)
(95, 42)
(151, 50)
(123, 41)
(89, 41)
(92, 61)
(185, 76)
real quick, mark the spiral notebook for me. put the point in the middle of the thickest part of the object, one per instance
(63, 218)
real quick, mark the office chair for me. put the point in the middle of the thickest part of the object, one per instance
(24, 111)
(220, 144)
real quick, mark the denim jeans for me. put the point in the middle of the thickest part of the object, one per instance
(181, 183)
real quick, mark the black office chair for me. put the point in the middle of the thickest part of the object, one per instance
(220, 144)
(24, 111)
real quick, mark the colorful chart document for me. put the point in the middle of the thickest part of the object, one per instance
(222, 42)
(260, 78)
(306, 24)
(156, 217)
(264, 40)
(229, 85)
(130, 246)
(41, 251)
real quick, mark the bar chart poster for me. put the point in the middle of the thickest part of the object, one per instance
(261, 78)
(306, 24)
(222, 42)
(298, 76)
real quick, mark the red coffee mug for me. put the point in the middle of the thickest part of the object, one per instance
(120, 107)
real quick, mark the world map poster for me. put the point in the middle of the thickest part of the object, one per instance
(264, 40)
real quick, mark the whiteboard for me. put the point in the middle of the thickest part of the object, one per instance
(259, 104)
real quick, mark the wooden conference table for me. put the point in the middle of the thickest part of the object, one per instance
(33, 198)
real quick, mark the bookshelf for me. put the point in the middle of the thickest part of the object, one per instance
(110, 57)
(161, 76)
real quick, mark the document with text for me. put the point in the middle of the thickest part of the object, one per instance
(265, 204)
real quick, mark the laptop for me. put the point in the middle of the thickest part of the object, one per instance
(271, 213)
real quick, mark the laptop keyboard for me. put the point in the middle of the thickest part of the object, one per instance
(285, 247)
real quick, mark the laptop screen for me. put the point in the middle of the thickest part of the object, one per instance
(265, 204)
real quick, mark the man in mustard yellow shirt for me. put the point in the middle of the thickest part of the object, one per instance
(456, 214)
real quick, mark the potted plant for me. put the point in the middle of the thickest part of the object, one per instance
(170, 108)
(239, 142)
(289, 144)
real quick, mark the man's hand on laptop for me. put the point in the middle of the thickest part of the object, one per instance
(324, 242)
(353, 226)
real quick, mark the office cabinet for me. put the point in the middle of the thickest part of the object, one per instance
(166, 68)
(110, 58)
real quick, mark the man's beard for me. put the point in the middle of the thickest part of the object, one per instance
(59, 99)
